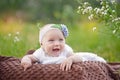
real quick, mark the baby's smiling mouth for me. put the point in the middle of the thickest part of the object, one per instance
(56, 49)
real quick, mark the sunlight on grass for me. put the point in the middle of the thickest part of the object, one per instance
(83, 37)
(10, 26)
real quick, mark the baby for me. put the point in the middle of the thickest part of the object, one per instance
(54, 50)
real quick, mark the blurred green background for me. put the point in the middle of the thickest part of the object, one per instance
(20, 21)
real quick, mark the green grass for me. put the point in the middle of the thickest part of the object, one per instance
(80, 38)
(27, 39)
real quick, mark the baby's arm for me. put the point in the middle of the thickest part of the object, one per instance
(27, 61)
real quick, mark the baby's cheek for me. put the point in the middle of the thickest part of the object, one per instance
(49, 50)
(62, 48)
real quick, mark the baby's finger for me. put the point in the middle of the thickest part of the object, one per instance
(68, 66)
(25, 68)
(62, 66)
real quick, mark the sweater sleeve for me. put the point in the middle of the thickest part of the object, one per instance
(68, 50)
(39, 54)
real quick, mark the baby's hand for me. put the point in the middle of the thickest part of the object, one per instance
(26, 65)
(66, 65)
(26, 62)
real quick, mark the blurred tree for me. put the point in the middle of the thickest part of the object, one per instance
(11, 5)
(45, 10)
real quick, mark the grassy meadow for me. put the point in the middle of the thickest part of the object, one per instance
(16, 38)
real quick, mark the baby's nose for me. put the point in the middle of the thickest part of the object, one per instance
(57, 43)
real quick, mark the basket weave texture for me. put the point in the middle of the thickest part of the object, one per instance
(10, 69)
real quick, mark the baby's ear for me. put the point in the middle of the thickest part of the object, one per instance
(41, 44)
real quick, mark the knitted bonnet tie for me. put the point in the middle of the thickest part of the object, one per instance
(49, 27)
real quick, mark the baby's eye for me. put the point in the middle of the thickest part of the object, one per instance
(60, 39)
(51, 40)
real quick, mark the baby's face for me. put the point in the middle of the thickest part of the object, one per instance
(53, 42)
